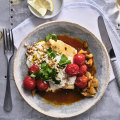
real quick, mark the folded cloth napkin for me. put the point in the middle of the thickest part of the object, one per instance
(71, 12)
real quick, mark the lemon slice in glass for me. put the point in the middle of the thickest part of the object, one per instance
(41, 6)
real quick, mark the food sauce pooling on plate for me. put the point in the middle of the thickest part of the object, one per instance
(74, 42)
(64, 96)
(77, 44)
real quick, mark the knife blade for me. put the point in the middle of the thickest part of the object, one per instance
(0, 35)
(107, 42)
(105, 38)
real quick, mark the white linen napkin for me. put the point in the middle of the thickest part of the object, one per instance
(83, 15)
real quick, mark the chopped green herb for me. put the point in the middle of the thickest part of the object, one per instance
(54, 72)
(51, 53)
(57, 81)
(64, 61)
(51, 36)
(49, 70)
(44, 65)
(42, 74)
(32, 75)
(46, 73)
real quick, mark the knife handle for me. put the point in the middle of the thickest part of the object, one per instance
(116, 70)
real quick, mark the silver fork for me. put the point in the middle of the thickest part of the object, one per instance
(8, 51)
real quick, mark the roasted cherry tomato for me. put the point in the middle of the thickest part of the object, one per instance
(72, 69)
(79, 59)
(82, 70)
(81, 82)
(29, 83)
(41, 85)
(33, 69)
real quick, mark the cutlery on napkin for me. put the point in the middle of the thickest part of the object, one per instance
(107, 42)
(8, 43)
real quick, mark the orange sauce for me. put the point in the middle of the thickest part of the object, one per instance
(74, 42)
(62, 96)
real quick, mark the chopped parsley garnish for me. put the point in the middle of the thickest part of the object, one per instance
(56, 80)
(46, 73)
(51, 36)
(64, 61)
(32, 75)
(44, 65)
(51, 53)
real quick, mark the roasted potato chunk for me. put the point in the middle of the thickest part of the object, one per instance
(85, 44)
(91, 88)
(83, 52)
(90, 62)
(89, 75)
(89, 56)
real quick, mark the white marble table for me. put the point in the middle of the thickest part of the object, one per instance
(107, 109)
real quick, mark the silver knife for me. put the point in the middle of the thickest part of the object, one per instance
(0, 35)
(109, 47)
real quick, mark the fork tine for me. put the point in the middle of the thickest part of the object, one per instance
(4, 39)
(7, 41)
(12, 41)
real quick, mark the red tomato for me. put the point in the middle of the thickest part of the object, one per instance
(41, 85)
(33, 69)
(29, 83)
(72, 69)
(79, 59)
(83, 70)
(81, 82)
